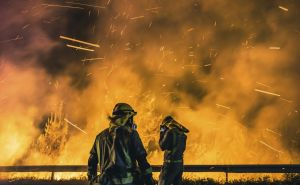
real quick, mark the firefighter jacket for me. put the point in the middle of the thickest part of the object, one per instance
(119, 150)
(173, 142)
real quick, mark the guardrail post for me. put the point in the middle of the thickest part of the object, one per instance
(226, 175)
(52, 175)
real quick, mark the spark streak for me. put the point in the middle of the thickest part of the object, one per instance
(79, 41)
(79, 47)
(62, 6)
(89, 5)
(283, 8)
(190, 29)
(272, 148)
(18, 37)
(91, 59)
(66, 120)
(272, 131)
(155, 8)
(274, 48)
(266, 92)
(24, 27)
(259, 83)
(223, 106)
(138, 17)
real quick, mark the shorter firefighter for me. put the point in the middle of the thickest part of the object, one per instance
(119, 152)
(173, 141)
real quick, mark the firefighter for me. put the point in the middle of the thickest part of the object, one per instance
(173, 141)
(119, 152)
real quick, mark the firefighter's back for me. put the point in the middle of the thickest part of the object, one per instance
(117, 150)
(175, 153)
(117, 160)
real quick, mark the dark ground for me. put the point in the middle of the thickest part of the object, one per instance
(289, 180)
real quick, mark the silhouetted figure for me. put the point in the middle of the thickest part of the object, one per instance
(173, 141)
(119, 152)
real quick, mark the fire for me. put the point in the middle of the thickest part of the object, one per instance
(161, 59)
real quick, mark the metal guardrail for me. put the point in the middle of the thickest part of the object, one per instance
(248, 168)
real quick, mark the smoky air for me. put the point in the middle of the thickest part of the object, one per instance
(228, 70)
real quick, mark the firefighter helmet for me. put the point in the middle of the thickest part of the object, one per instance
(122, 113)
(121, 108)
(169, 122)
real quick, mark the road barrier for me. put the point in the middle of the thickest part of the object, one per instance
(248, 168)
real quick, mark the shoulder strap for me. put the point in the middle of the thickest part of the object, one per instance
(98, 149)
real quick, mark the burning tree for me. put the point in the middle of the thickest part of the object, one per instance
(54, 138)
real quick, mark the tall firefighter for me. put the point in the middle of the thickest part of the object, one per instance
(119, 152)
(173, 141)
